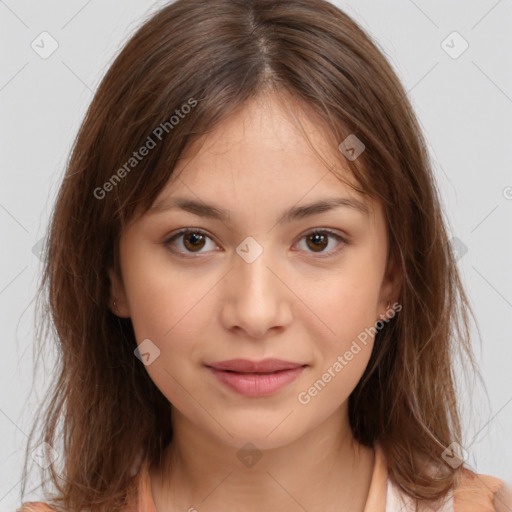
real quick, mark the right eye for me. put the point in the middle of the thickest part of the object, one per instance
(193, 240)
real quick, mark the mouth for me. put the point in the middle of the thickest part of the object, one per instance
(252, 366)
(256, 379)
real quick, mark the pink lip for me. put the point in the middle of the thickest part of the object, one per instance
(253, 378)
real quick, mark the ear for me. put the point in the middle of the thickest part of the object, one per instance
(391, 286)
(118, 294)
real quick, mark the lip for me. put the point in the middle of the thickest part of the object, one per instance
(250, 366)
(256, 378)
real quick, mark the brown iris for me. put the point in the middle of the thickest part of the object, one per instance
(193, 241)
(319, 241)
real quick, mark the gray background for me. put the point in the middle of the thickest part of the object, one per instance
(464, 105)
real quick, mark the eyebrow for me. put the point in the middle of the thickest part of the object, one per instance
(211, 211)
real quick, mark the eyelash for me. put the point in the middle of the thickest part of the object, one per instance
(324, 231)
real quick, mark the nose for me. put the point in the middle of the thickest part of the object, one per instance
(256, 297)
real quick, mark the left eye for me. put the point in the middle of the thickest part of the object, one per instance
(195, 239)
(319, 240)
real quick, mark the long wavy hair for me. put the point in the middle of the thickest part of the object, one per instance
(103, 410)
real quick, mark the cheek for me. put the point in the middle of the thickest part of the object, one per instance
(347, 305)
(343, 340)
(331, 387)
(164, 300)
(346, 302)
(167, 307)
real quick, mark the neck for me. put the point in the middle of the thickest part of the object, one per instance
(323, 470)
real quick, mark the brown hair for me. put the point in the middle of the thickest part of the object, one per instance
(215, 56)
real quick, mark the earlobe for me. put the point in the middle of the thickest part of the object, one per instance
(118, 302)
(391, 286)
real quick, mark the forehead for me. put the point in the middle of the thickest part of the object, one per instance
(274, 149)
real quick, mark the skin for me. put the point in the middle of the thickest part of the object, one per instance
(289, 303)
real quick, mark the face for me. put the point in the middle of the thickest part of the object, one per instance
(256, 276)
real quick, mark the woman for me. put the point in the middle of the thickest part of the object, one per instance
(250, 280)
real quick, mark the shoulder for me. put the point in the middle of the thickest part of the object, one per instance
(39, 506)
(138, 496)
(472, 492)
(36, 506)
(478, 492)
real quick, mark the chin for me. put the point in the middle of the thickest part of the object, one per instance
(262, 436)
